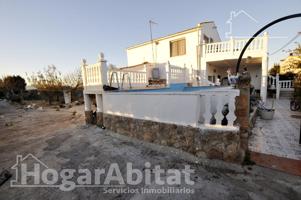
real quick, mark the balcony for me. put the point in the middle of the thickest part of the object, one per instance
(232, 48)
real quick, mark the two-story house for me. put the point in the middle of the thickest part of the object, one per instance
(200, 48)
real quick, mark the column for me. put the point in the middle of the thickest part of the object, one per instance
(264, 78)
(264, 68)
(88, 109)
(203, 75)
(99, 110)
(277, 87)
(168, 73)
(242, 112)
(103, 69)
(83, 70)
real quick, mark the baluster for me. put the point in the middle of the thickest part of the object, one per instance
(207, 114)
(231, 106)
(219, 107)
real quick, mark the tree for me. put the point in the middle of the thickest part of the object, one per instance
(293, 61)
(275, 70)
(73, 80)
(52, 83)
(14, 87)
(49, 82)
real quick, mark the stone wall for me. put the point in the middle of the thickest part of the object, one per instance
(213, 144)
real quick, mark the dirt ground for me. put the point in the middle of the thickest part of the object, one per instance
(61, 140)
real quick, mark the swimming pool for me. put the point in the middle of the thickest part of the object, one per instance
(176, 87)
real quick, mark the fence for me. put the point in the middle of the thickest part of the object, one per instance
(233, 46)
(280, 85)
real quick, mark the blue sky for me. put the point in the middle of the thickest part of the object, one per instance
(36, 33)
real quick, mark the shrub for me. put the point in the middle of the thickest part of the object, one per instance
(14, 87)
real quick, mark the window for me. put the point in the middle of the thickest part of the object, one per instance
(177, 47)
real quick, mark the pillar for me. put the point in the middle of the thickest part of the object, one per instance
(99, 110)
(103, 69)
(264, 68)
(88, 109)
(168, 73)
(277, 87)
(242, 111)
(204, 69)
(264, 78)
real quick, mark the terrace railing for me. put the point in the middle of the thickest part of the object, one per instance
(233, 47)
(92, 77)
(217, 108)
(127, 79)
(280, 85)
(286, 85)
(177, 74)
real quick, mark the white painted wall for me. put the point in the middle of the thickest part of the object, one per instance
(143, 53)
(162, 52)
(255, 72)
(183, 108)
(169, 108)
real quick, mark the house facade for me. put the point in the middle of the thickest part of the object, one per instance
(200, 48)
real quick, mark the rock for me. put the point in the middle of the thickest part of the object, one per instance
(40, 108)
(8, 124)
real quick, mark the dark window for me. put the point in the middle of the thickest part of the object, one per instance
(177, 47)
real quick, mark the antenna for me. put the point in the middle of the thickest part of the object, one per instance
(151, 37)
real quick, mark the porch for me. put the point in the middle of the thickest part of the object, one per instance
(219, 68)
(217, 58)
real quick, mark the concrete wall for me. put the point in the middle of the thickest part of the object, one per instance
(162, 52)
(175, 108)
(255, 72)
(143, 53)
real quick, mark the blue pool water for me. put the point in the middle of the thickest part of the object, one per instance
(176, 87)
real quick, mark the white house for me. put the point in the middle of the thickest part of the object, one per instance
(200, 48)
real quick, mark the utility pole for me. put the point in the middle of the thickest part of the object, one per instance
(151, 37)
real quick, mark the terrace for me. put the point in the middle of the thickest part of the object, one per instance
(186, 106)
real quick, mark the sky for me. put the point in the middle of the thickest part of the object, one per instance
(38, 33)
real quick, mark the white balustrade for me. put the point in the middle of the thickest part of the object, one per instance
(283, 85)
(178, 74)
(286, 85)
(92, 79)
(217, 106)
(137, 79)
(232, 46)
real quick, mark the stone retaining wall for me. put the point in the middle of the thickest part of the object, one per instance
(213, 144)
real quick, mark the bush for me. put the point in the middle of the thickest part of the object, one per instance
(13, 87)
(50, 83)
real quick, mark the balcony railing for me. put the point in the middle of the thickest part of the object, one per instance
(95, 76)
(234, 47)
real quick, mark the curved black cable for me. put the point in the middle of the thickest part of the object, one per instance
(258, 32)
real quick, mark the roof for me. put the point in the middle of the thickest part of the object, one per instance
(199, 25)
